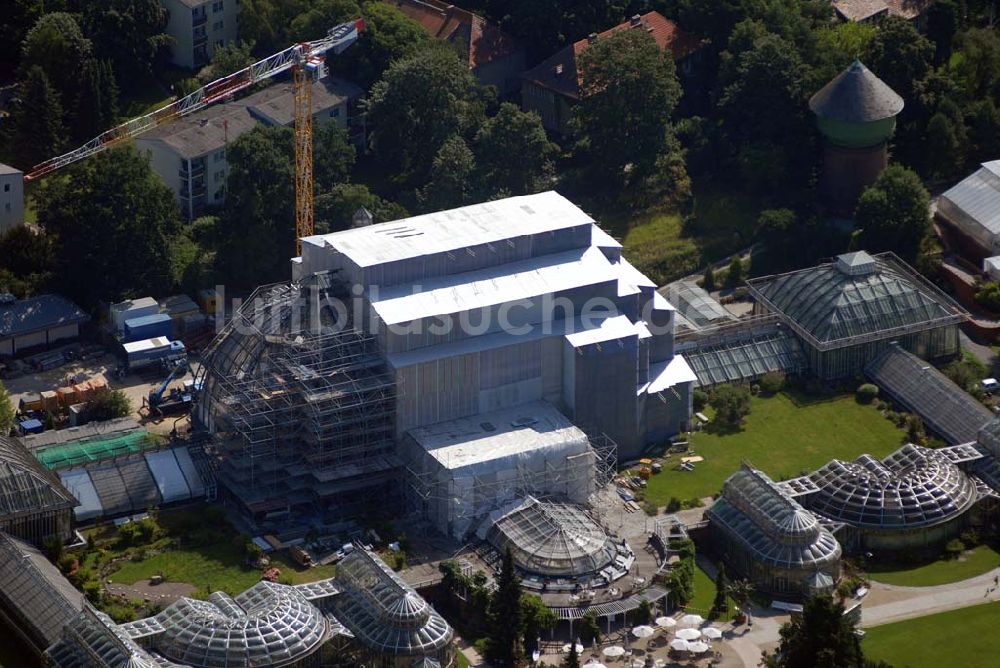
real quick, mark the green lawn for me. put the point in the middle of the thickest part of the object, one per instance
(656, 246)
(213, 567)
(966, 638)
(462, 662)
(982, 559)
(784, 435)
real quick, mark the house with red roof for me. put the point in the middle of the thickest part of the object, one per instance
(493, 56)
(553, 87)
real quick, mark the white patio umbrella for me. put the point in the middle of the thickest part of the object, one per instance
(688, 634)
(711, 633)
(679, 645)
(698, 647)
(666, 622)
(692, 620)
(613, 651)
(643, 631)
(594, 664)
(565, 648)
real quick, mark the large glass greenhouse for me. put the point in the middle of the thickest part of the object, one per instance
(33, 503)
(551, 539)
(914, 497)
(767, 537)
(847, 311)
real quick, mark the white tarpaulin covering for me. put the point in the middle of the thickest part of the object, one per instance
(79, 485)
(168, 476)
(474, 465)
(187, 466)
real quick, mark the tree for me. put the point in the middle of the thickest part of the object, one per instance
(320, 16)
(57, 45)
(942, 21)
(17, 17)
(590, 632)
(734, 275)
(537, 618)
(719, 604)
(740, 591)
(506, 620)
(389, 36)
(980, 64)
(644, 613)
(823, 637)
(258, 234)
(97, 105)
(6, 411)
(38, 131)
(731, 404)
(419, 103)
(335, 208)
(572, 659)
(778, 229)
(130, 34)
(27, 258)
(113, 220)
(944, 150)
(333, 155)
(983, 120)
(629, 90)
(708, 282)
(108, 405)
(894, 213)
(227, 59)
(513, 153)
(452, 176)
(899, 55)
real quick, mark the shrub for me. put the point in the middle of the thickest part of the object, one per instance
(735, 274)
(988, 296)
(954, 548)
(650, 508)
(708, 282)
(699, 399)
(772, 382)
(866, 393)
(971, 538)
(673, 505)
(66, 562)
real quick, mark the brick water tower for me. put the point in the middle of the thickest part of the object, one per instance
(856, 114)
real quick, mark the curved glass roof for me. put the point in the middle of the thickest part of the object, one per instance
(25, 486)
(550, 538)
(912, 487)
(828, 304)
(267, 625)
(771, 525)
(383, 612)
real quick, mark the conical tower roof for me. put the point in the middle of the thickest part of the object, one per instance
(856, 95)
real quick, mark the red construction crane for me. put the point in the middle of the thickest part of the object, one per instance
(306, 62)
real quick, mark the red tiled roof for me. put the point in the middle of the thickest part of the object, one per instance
(559, 71)
(480, 40)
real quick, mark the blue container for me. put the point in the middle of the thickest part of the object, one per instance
(148, 327)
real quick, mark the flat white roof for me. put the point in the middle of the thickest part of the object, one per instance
(665, 375)
(602, 239)
(146, 344)
(456, 444)
(442, 231)
(978, 195)
(495, 285)
(610, 329)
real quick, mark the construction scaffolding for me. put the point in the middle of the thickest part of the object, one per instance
(303, 406)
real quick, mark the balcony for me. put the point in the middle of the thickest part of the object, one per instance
(196, 171)
(198, 18)
(196, 192)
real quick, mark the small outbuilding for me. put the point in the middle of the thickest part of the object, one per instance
(971, 211)
(37, 322)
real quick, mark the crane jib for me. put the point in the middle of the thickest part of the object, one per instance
(337, 39)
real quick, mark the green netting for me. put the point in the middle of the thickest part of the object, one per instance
(92, 450)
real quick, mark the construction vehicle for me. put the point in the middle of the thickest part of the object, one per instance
(178, 400)
(306, 60)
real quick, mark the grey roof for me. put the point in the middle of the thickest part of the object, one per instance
(856, 95)
(977, 197)
(36, 314)
(34, 592)
(26, 488)
(695, 304)
(208, 130)
(772, 526)
(831, 308)
(912, 487)
(943, 406)
(7, 169)
(745, 358)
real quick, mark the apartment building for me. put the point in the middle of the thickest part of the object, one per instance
(198, 27)
(11, 197)
(190, 153)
